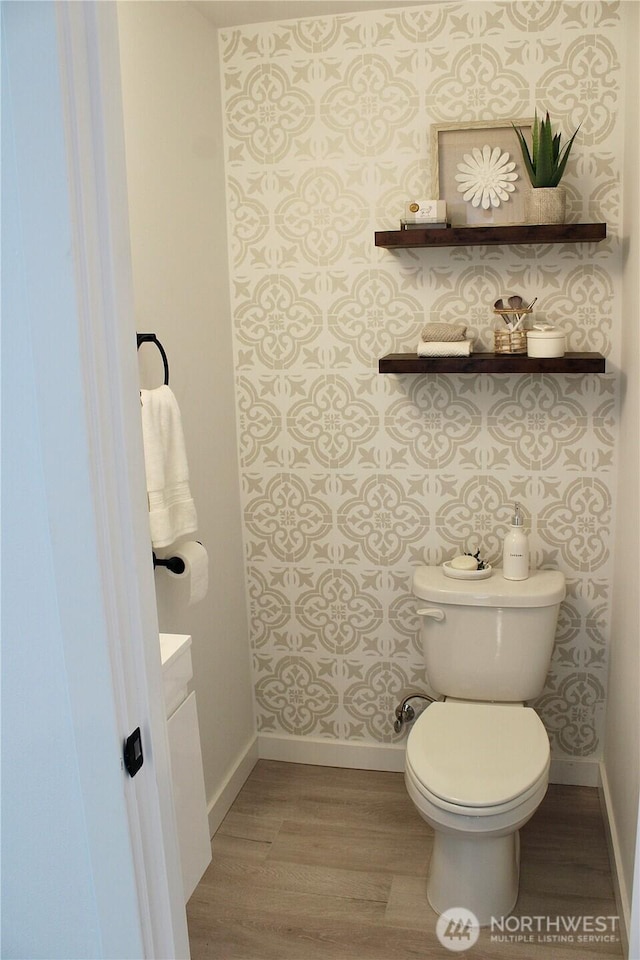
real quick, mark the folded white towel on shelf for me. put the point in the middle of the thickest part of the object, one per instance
(436, 348)
(172, 512)
(443, 331)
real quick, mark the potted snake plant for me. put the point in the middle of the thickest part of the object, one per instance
(545, 165)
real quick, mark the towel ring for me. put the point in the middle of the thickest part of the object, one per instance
(151, 338)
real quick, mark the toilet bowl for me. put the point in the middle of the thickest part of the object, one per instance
(476, 773)
(477, 761)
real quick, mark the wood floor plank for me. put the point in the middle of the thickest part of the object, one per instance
(317, 863)
(573, 876)
(330, 795)
(319, 940)
(357, 848)
(292, 924)
(564, 847)
(408, 906)
(237, 824)
(349, 884)
(234, 897)
(244, 837)
(239, 847)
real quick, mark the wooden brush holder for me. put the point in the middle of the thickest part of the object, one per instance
(510, 341)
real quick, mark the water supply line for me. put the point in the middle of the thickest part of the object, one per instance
(405, 712)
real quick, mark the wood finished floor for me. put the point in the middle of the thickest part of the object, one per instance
(321, 863)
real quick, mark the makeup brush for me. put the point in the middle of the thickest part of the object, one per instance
(520, 317)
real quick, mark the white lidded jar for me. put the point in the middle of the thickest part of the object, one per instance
(515, 553)
(546, 341)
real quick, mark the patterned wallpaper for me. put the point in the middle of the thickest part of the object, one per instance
(350, 479)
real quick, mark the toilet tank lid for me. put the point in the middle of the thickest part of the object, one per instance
(543, 588)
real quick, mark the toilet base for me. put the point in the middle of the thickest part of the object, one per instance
(479, 873)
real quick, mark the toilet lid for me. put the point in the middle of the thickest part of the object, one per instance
(478, 754)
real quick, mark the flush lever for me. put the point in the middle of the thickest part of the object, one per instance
(432, 612)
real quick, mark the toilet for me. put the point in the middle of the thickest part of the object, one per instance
(477, 761)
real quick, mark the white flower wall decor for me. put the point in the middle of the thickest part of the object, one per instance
(486, 177)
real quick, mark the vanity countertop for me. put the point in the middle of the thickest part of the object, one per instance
(172, 646)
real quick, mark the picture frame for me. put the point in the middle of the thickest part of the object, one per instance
(450, 142)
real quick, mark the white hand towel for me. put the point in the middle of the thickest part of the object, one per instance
(172, 512)
(435, 348)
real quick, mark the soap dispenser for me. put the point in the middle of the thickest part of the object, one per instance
(515, 555)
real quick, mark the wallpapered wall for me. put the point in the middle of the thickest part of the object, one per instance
(350, 479)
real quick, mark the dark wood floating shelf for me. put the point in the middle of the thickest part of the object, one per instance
(492, 363)
(483, 235)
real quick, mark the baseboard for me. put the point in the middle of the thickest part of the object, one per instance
(577, 773)
(219, 805)
(331, 753)
(381, 756)
(622, 894)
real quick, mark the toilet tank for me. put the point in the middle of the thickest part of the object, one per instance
(488, 639)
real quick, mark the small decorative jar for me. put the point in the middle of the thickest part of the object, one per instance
(546, 341)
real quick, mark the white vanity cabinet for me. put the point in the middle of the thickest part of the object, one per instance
(186, 759)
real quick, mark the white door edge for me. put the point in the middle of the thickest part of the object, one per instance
(90, 69)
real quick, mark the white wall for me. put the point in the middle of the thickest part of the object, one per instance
(621, 765)
(179, 253)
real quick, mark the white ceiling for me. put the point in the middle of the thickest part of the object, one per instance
(231, 13)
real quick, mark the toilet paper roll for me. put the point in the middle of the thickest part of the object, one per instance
(196, 568)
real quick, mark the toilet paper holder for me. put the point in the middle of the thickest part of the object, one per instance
(174, 564)
(189, 564)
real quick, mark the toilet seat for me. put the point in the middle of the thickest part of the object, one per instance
(478, 759)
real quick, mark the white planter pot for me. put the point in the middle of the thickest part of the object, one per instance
(546, 205)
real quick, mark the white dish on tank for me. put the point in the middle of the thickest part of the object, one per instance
(456, 574)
